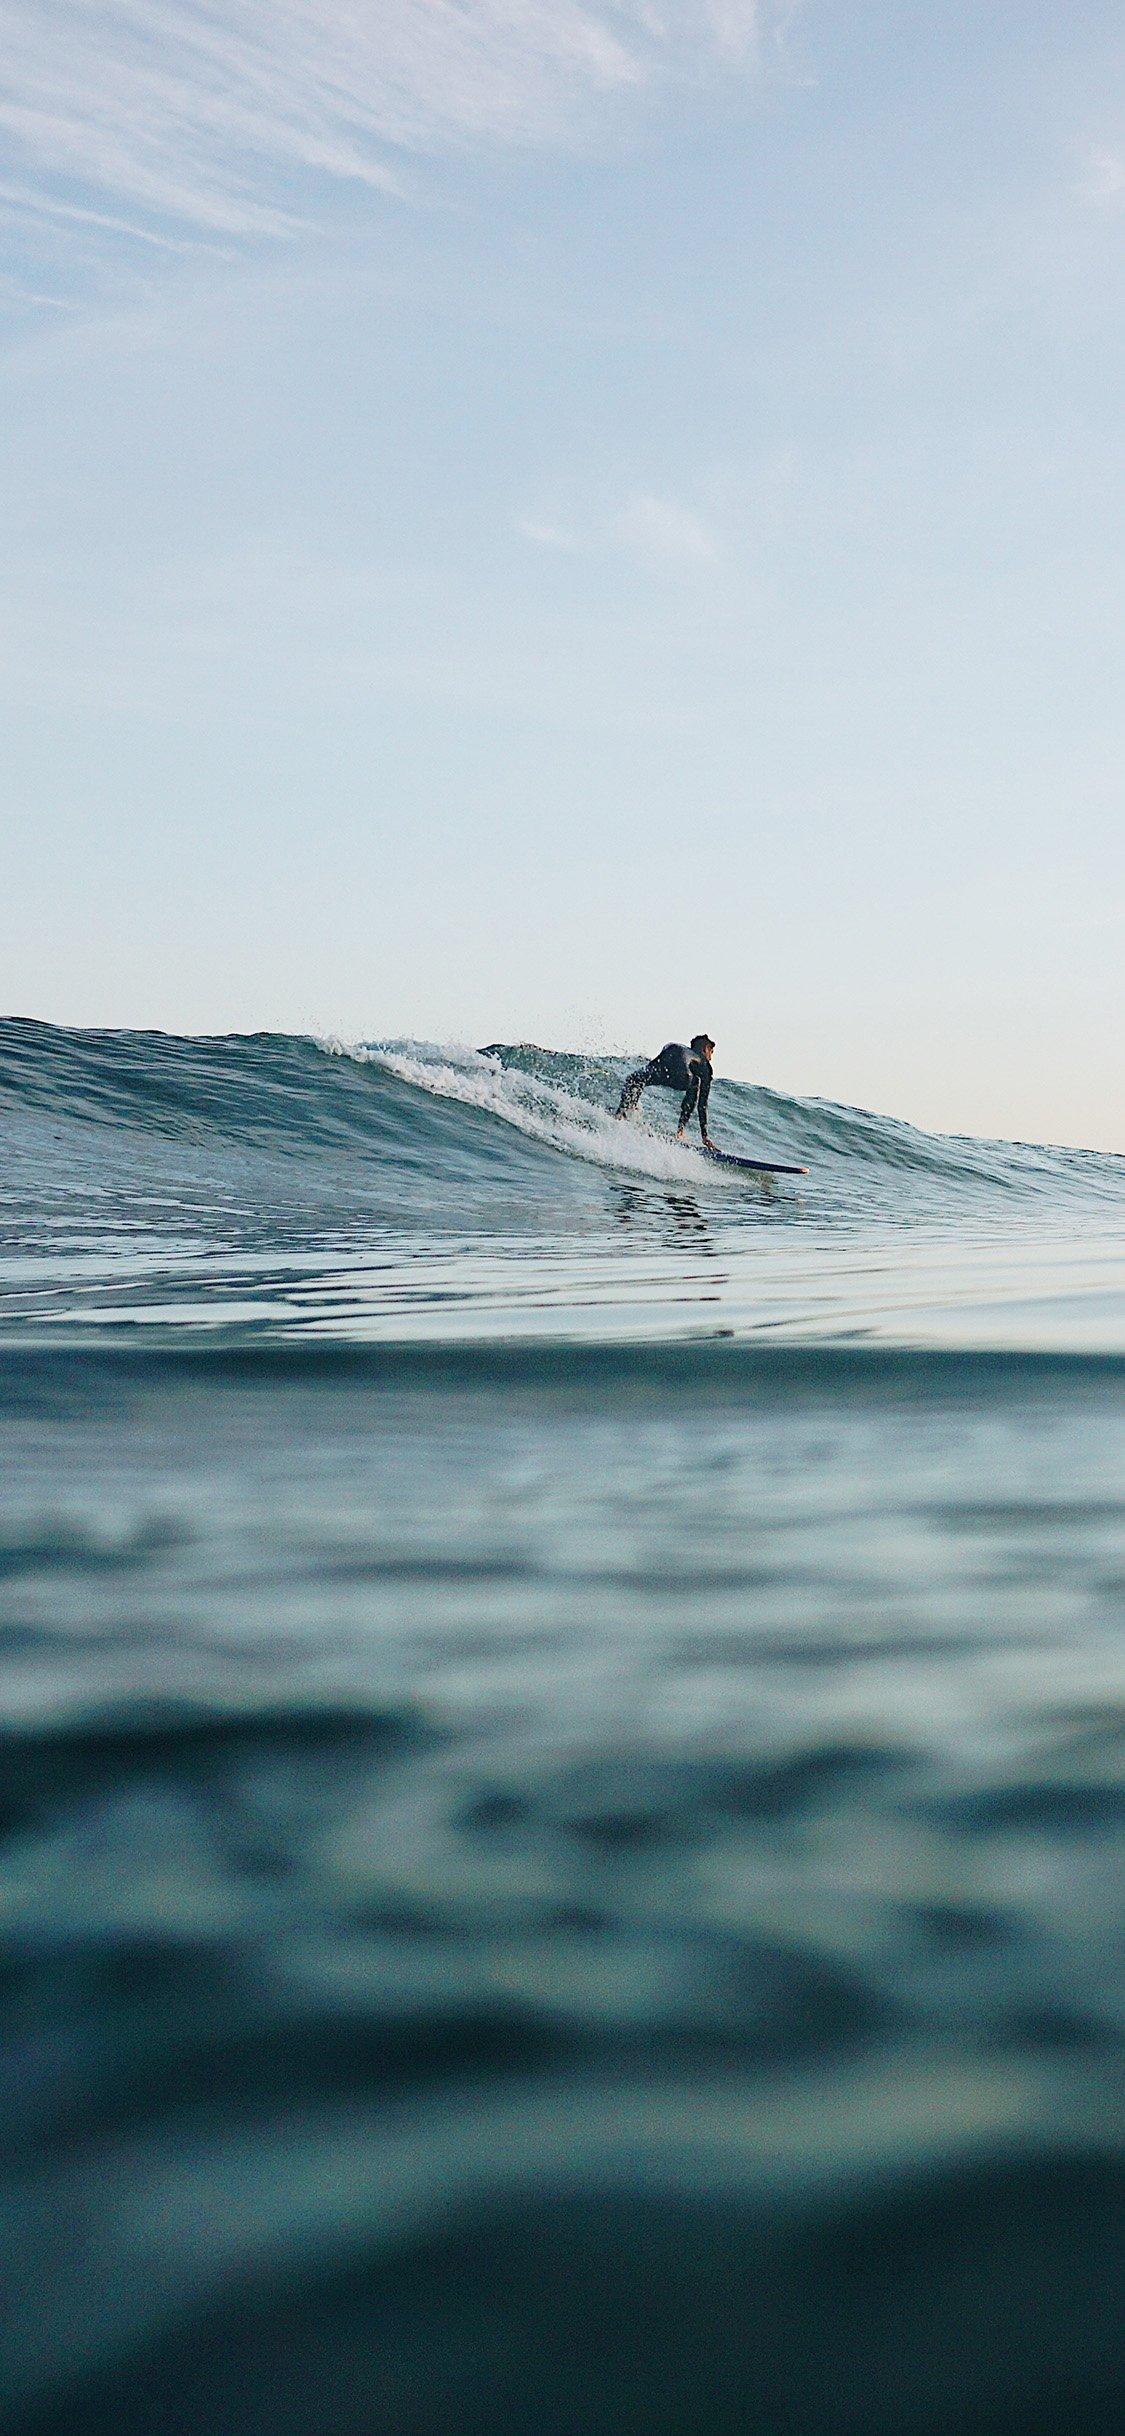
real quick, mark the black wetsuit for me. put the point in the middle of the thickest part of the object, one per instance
(676, 1069)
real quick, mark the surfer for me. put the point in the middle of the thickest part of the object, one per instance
(676, 1069)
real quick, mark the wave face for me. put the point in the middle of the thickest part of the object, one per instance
(391, 1189)
(411, 1102)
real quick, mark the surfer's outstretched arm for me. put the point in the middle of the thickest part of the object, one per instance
(698, 1092)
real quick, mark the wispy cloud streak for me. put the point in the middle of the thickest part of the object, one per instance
(217, 115)
(1104, 179)
(662, 534)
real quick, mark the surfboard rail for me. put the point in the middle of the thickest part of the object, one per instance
(753, 1167)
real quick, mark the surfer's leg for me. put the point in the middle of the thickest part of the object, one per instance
(630, 1097)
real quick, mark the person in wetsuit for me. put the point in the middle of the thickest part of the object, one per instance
(676, 1069)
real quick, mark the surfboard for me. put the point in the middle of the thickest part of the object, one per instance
(753, 1167)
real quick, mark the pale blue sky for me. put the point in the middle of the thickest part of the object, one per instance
(574, 523)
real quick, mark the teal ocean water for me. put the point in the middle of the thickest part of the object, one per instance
(561, 1721)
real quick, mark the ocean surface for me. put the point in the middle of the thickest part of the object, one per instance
(561, 1728)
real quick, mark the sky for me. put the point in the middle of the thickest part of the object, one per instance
(578, 523)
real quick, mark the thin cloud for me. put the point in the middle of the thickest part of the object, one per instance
(1104, 181)
(221, 118)
(658, 533)
(17, 204)
(548, 536)
(735, 27)
(662, 534)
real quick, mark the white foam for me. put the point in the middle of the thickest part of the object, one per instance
(543, 1111)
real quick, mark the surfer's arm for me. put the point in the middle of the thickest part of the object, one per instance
(698, 1090)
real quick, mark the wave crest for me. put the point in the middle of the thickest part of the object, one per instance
(452, 1114)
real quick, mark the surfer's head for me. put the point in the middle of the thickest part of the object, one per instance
(703, 1045)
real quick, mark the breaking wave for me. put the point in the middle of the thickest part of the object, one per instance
(463, 1112)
